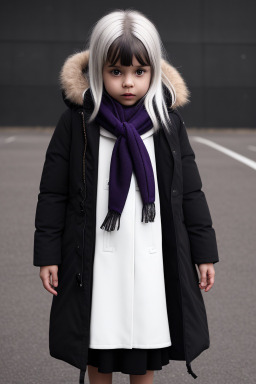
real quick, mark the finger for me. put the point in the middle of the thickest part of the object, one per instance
(55, 278)
(210, 283)
(203, 280)
(47, 285)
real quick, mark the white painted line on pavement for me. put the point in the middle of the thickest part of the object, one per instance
(227, 151)
(10, 139)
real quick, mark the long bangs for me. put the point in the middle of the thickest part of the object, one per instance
(124, 47)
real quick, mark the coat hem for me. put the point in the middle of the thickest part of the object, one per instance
(106, 346)
(190, 359)
(72, 363)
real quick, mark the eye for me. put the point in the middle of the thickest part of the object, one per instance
(114, 70)
(140, 70)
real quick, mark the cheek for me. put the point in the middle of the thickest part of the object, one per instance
(147, 83)
(105, 79)
(109, 82)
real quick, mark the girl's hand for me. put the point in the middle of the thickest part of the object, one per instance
(49, 276)
(207, 272)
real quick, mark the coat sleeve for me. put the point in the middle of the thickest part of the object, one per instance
(196, 212)
(53, 196)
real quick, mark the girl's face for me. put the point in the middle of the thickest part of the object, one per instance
(134, 79)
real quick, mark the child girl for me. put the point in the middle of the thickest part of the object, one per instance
(121, 219)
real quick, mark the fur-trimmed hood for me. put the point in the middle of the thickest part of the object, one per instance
(74, 82)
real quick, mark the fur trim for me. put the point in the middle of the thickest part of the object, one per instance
(74, 82)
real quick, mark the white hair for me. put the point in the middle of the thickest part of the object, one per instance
(130, 32)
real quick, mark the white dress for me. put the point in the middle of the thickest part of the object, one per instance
(128, 293)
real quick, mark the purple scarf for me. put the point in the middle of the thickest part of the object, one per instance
(127, 123)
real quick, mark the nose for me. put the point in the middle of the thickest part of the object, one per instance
(128, 82)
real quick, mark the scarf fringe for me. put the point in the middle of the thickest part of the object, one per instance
(109, 223)
(148, 212)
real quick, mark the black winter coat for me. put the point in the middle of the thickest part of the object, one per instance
(66, 218)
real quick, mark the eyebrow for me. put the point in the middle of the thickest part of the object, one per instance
(118, 66)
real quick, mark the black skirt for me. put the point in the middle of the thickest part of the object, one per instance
(130, 361)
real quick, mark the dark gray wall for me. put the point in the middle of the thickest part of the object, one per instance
(212, 44)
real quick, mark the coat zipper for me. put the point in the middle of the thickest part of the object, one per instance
(79, 276)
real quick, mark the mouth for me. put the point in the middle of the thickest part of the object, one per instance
(128, 95)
